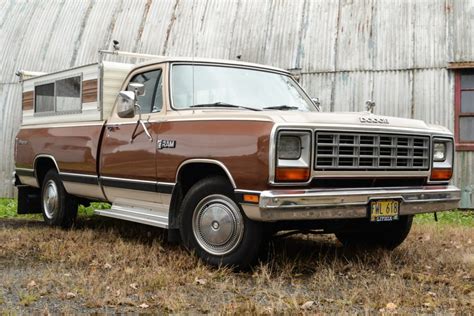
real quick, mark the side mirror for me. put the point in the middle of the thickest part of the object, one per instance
(138, 88)
(317, 104)
(126, 104)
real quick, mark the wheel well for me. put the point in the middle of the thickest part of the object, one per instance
(187, 177)
(42, 166)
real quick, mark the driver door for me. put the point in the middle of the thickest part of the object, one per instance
(127, 163)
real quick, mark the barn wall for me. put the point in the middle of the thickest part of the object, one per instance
(394, 52)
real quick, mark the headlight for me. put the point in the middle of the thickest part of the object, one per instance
(439, 151)
(289, 147)
(293, 156)
(443, 158)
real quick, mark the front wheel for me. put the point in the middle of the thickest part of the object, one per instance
(387, 235)
(214, 226)
(59, 208)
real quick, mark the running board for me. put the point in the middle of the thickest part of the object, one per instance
(145, 216)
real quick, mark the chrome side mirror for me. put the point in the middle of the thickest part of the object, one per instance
(138, 88)
(317, 104)
(126, 104)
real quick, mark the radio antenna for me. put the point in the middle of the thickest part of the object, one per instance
(193, 50)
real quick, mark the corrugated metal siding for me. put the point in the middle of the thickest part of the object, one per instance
(433, 97)
(461, 29)
(394, 52)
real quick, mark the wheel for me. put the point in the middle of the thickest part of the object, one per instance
(215, 228)
(387, 235)
(59, 208)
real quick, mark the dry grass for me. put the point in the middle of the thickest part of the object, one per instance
(105, 265)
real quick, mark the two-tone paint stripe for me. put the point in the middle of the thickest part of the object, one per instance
(138, 185)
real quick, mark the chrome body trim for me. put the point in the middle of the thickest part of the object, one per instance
(128, 180)
(156, 216)
(211, 161)
(27, 180)
(84, 175)
(86, 190)
(312, 204)
(43, 156)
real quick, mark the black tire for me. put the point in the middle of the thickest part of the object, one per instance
(59, 208)
(387, 235)
(215, 228)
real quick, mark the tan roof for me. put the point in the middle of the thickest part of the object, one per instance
(208, 60)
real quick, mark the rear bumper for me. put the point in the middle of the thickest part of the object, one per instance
(313, 204)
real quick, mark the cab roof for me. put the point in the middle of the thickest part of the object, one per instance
(208, 61)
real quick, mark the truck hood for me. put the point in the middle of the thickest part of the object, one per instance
(364, 120)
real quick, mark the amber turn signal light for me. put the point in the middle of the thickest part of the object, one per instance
(441, 174)
(292, 174)
(251, 198)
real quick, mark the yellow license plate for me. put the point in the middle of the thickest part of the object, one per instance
(384, 210)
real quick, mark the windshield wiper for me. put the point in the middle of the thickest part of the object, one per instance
(281, 107)
(224, 105)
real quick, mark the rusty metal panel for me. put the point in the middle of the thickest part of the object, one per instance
(464, 177)
(316, 52)
(212, 36)
(97, 24)
(433, 96)
(430, 33)
(9, 123)
(351, 90)
(461, 28)
(319, 86)
(154, 33)
(393, 33)
(392, 93)
(355, 41)
(13, 39)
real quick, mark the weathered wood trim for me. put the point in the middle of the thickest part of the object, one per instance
(89, 91)
(27, 101)
(461, 65)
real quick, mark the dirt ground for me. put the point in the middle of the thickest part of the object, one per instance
(105, 265)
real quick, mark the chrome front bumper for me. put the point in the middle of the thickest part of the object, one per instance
(315, 204)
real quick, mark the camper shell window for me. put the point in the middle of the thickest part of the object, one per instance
(62, 96)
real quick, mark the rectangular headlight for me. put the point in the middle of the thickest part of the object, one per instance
(439, 151)
(289, 147)
(293, 156)
(443, 159)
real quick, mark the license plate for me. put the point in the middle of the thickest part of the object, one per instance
(384, 210)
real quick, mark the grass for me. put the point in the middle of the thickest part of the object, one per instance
(461, 218)
(8, 209)
(106, 266)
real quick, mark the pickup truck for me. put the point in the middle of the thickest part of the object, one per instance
(223, 154)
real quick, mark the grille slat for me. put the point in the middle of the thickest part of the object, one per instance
(361, 151)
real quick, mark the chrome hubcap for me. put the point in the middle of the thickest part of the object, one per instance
(50, 199)
(218, 225)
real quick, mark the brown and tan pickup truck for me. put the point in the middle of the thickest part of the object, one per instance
(223, 154)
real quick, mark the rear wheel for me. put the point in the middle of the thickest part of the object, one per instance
(214, 226)
(59, 208)
(387, 235)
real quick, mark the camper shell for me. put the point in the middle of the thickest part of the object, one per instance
(85, 93)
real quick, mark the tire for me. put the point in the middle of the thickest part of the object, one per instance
(387, 235)
(215, 228)
(59, 208)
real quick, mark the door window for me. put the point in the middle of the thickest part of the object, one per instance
(152, 100)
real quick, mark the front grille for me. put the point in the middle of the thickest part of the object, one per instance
(370, 151)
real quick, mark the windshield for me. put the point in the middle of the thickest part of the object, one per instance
(241, 88)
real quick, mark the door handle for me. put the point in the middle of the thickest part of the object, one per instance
(112, 128)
